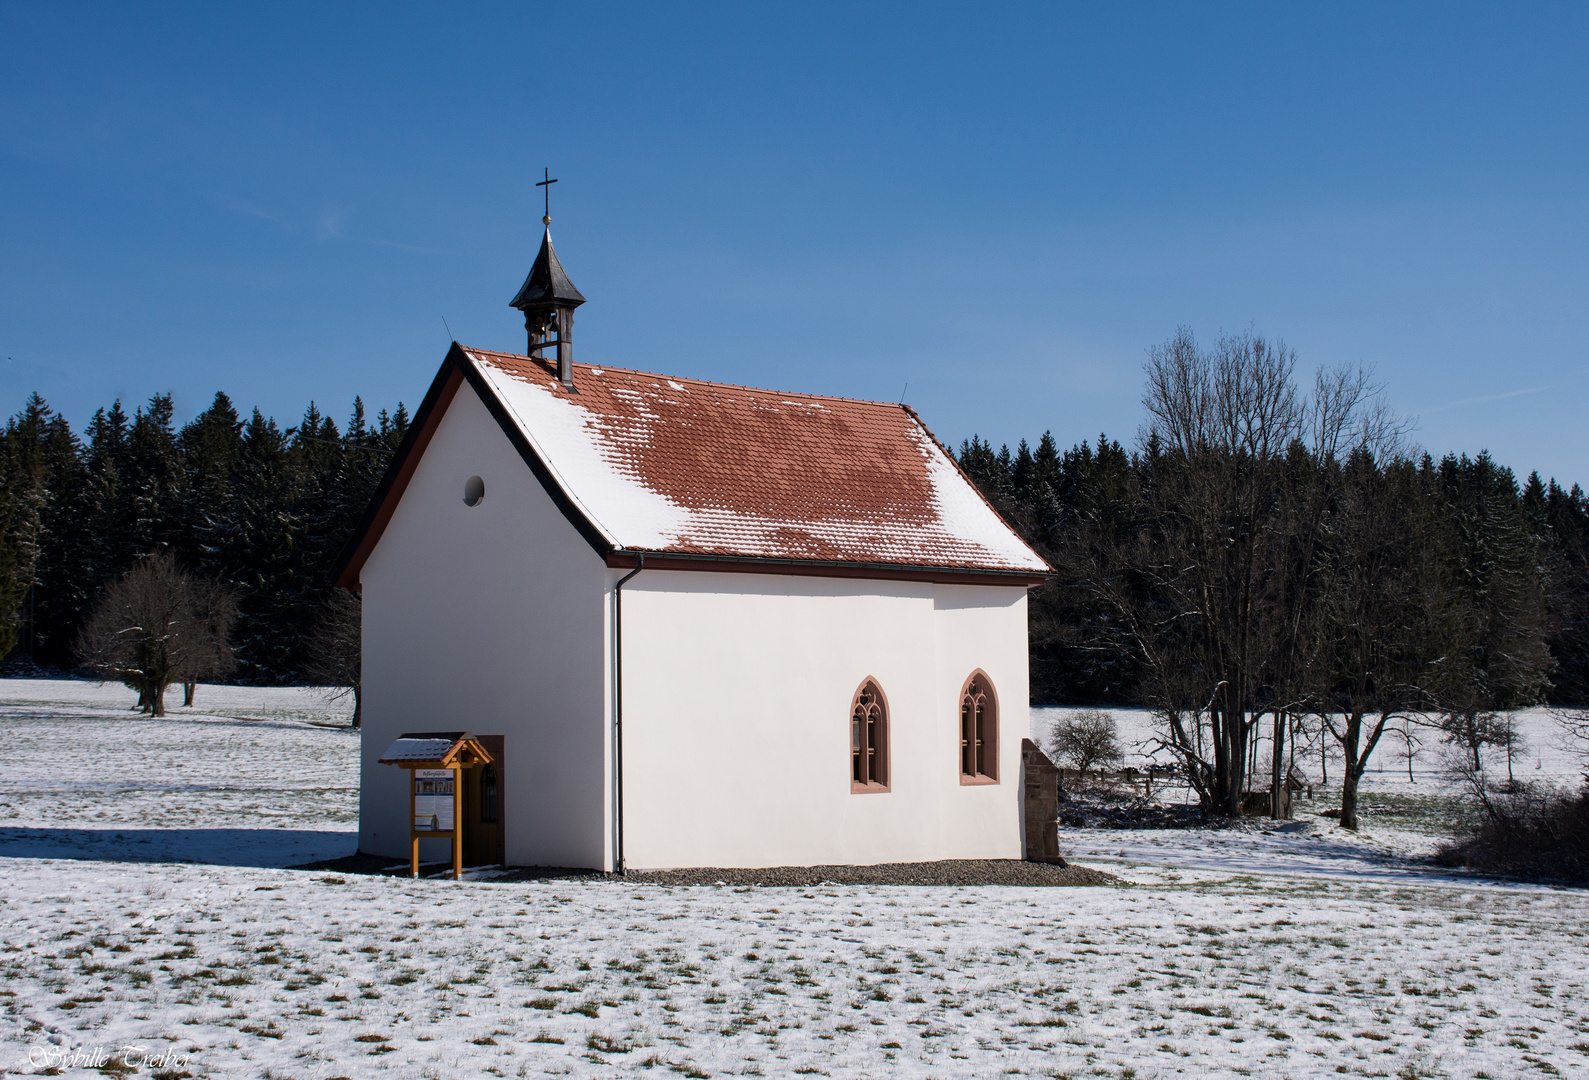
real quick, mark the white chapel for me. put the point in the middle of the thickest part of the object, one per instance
(699, 624)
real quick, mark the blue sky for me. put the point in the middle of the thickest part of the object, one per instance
(1001, 206)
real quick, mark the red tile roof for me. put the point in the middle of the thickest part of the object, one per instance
(673, 465)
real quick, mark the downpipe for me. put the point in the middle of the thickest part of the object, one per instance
(617, 699)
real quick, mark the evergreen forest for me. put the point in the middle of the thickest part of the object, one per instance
(247, 503)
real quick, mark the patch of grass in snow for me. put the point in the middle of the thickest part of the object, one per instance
(608, 1044)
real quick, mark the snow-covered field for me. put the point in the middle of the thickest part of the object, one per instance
(1233, 954)
(1403, 817)
(1542, 752)
(278, 974)
(249, 775)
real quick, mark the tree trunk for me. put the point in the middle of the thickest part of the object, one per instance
(1233, 770)
(358, 706)
(1253, 727)
(1356, 762)
(1219, 741)
(1349, 799)
(1292, 735)
(157, 698)
(1350, 769)
(1278, 758)
(187, 692)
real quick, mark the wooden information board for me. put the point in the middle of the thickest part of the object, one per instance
(433, 808)
(436, 762)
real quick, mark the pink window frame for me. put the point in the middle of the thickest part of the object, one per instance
(990, 730)
(880, 753)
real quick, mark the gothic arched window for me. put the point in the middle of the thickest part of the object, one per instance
(869, 739)
(979, 731)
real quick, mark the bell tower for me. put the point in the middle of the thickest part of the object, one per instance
(548, 300)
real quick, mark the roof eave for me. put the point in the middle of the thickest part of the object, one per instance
(626, 558)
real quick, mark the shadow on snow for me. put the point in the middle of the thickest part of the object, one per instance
(217, 847)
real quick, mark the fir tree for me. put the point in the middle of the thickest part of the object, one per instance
(1493, 626)
(211, 447)
(260, 556)
(155, 485)
(1564, 524)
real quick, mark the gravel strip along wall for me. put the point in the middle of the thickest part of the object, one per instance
(948, 872)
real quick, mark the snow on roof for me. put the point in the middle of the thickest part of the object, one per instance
(660, 464)
(428, 746)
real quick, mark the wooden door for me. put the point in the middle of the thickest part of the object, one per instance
(483, 808)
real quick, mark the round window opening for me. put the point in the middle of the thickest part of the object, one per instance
(474, 489)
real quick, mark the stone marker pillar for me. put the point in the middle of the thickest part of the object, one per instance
(1041, 806)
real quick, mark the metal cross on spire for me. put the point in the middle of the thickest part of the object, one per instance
(547, 184)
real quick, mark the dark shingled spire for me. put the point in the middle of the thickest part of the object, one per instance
(547, 284)
(548, 300)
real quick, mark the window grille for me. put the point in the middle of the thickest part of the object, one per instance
(979, 731)
(869, 739)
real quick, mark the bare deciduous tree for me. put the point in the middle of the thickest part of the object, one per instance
(213, 609)
(156, 626)
(1085, 739)
(335, 648)
(1411, 745)
(1200, 585)
(1472, 731)
(1212, 584)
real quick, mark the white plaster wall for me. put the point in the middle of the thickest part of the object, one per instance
(490, 619)
(737, 690)
(983, 627)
